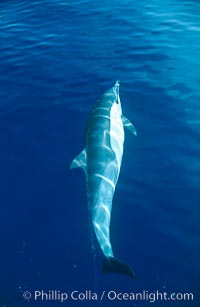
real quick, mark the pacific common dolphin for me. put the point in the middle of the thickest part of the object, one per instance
(101, 161)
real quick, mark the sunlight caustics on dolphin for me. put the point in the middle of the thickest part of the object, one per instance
(101, 161)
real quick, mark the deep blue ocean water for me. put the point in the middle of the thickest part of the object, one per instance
(56, 59)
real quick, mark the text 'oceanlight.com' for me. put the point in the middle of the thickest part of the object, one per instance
(112, 295)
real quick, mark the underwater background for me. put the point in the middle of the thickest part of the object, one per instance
(56, 59)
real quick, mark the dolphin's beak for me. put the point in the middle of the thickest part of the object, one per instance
(116, 90)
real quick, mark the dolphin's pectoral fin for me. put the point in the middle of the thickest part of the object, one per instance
(127, 124)
(113, 265)
(80, 160)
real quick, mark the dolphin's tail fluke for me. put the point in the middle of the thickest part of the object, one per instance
(113, 265)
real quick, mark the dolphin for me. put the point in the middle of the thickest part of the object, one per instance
(101, 161)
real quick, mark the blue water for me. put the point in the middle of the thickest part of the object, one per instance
(56, 59)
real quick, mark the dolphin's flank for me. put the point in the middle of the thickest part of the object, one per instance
(101, 161)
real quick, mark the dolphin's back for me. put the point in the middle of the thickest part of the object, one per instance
(102, 170)
(98, 143)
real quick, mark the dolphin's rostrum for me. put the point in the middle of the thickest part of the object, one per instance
(101, 161)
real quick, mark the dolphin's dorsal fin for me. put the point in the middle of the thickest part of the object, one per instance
(80, 160)
(127, 124)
